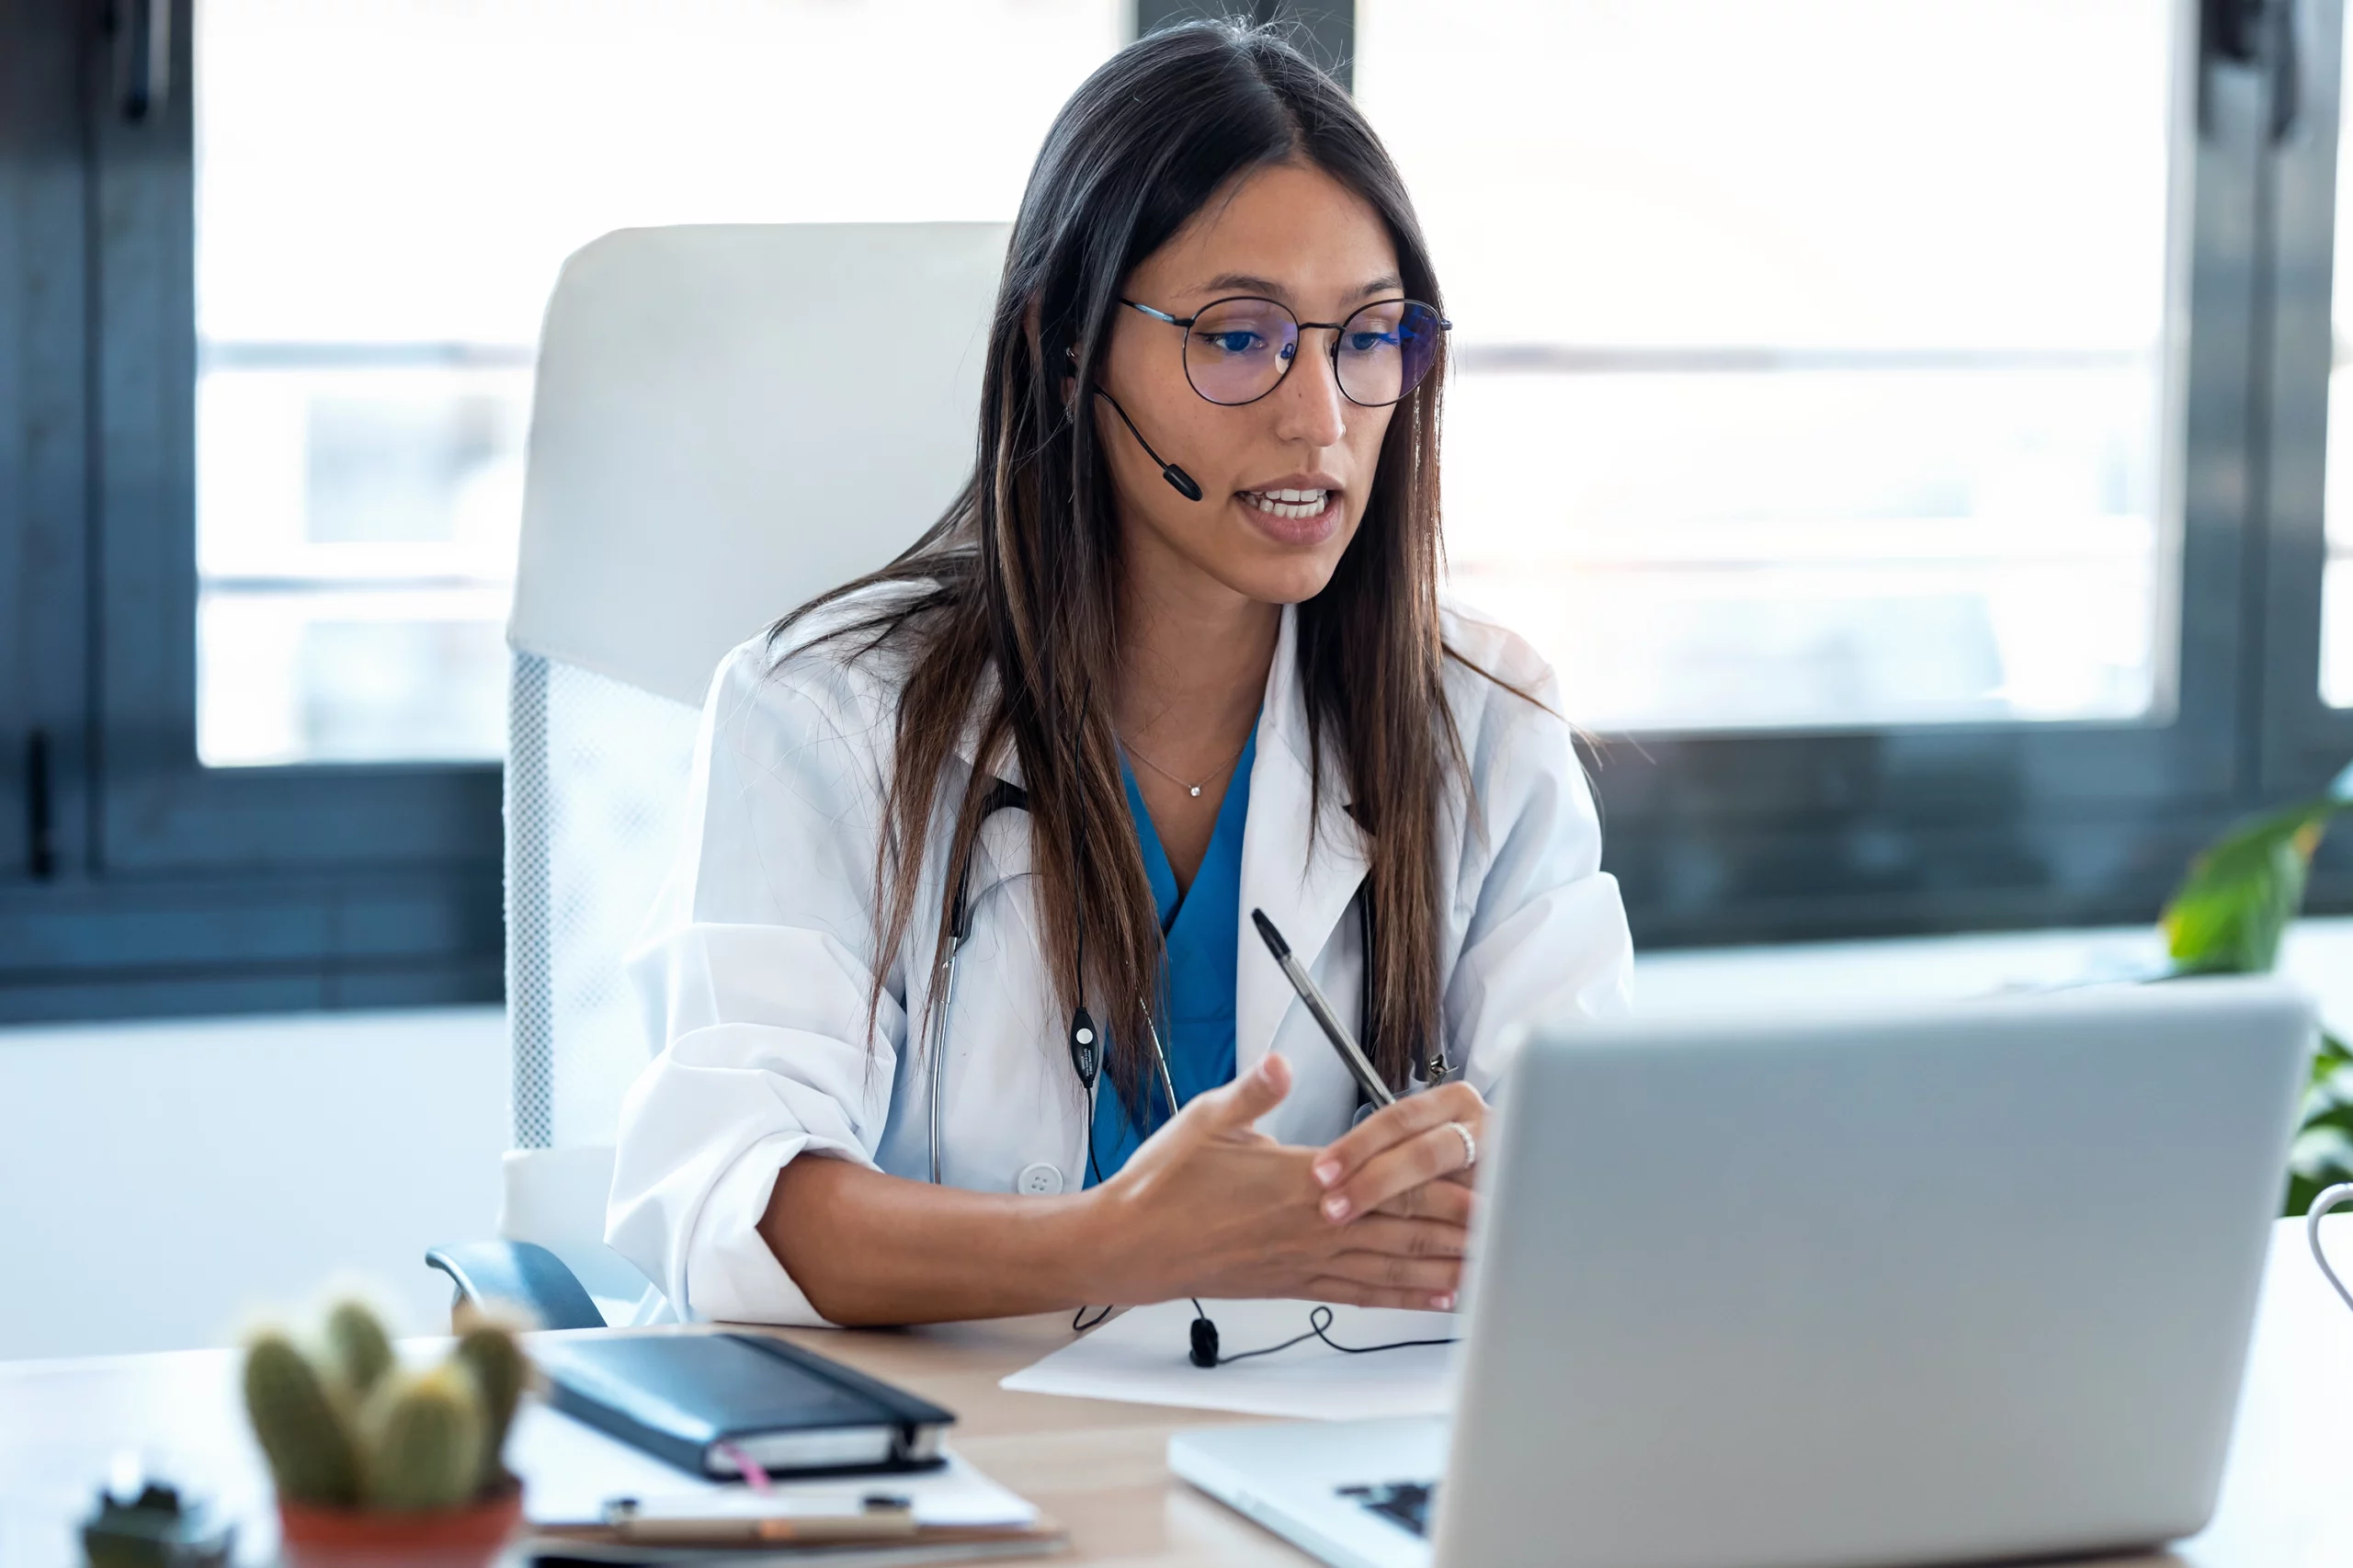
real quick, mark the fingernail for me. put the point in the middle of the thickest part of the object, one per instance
(1335, 1207)
(1327, 1172)
(1443, 1301)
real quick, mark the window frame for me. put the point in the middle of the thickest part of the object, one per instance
(43, 482)
(164, 810)
(2304, 740)
(173, 887)
(1325, 29)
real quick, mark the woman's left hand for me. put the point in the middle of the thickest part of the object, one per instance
(1387, 1158)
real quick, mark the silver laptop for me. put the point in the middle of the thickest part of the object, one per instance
(1884, 1288)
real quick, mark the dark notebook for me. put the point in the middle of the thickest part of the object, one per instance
(692, 1398)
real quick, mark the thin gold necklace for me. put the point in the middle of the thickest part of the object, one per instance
(1193, 789)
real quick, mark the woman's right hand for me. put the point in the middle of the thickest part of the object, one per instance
(1208, 1206)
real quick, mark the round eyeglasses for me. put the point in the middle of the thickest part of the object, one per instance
(1238, 350)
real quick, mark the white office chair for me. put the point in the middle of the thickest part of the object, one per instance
(727, 420)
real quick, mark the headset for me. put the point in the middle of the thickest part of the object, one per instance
(1087, 1041)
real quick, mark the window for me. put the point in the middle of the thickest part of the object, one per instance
(384, 193)
(1904, 421)
(1811, 355)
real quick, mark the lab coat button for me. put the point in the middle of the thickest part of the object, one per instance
(1038, 1179)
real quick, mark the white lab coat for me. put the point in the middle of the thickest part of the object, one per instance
(755, 965)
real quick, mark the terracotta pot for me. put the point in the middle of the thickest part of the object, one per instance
(352, 1538)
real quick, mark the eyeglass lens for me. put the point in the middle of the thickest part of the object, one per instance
(1238, 349)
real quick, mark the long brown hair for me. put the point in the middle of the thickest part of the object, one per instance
(1006, 608)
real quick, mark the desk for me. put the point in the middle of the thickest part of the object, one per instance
(1100, 1467)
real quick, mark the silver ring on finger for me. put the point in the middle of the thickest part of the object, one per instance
(1470, 1144)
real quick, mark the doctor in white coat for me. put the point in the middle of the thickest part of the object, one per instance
(961, 1012)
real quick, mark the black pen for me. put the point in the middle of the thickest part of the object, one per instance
(1351, 1054)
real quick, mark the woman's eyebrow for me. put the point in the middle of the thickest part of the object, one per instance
(1263, 287)
(1245, 283)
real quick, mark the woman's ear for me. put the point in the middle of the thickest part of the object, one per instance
(1032, 326)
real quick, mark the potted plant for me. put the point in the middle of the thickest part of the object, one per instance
(376, 1463)
(2227, 918)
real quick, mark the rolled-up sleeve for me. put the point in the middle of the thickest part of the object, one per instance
(1544, 931)
(757, 973)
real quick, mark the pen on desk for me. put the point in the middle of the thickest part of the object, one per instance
(1351, 1054)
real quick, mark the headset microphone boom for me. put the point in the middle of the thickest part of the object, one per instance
(1178, 480)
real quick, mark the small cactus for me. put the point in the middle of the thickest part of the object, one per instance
(425, 1441)
(349, 1428)
(310, 1449)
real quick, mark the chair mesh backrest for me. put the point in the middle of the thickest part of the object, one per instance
(595, 787)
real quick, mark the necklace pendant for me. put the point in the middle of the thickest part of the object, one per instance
(1197, 790)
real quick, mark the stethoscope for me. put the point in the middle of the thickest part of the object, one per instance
(1086, 1044)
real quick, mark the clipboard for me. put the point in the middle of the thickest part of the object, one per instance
(865, 1523)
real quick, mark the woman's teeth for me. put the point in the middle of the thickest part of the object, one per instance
(1287, 502)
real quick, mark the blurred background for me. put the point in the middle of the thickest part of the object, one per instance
(1906, 424)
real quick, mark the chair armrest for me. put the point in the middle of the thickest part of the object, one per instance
(516, 1275)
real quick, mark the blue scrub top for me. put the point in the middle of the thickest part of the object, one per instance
(1203, 930)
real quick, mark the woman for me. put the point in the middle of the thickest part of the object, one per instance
(1175, 652)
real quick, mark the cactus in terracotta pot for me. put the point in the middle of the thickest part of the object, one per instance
(368, 1455)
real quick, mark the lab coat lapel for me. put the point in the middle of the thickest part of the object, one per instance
(1303, 886)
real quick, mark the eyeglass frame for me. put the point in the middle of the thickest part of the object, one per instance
(1333, 353)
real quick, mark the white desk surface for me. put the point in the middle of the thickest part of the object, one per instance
(2287, 1499)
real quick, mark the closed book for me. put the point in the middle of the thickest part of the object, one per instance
(705, 1402)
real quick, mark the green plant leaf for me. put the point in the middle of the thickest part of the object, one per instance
(2321, 1154)
(2230, 911)
(2331, 1055)
(2227, 917)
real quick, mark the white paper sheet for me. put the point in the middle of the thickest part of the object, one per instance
(1141, 1356)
